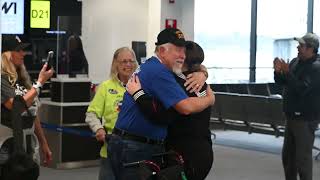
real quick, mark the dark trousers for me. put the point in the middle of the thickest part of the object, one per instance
(297, 148)
(121, 151)
(197, 155)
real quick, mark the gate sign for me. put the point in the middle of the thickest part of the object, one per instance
(40, 14)
(12, 16)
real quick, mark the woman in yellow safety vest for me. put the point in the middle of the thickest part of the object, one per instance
(103, 110)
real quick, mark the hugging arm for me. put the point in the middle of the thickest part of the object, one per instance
(149, 106)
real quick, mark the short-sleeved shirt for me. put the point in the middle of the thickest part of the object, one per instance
(158, 81)
(106, 104)
(9, 91)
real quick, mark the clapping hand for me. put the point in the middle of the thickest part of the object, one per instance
(280, 66)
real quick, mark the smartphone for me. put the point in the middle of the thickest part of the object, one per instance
(49, 60)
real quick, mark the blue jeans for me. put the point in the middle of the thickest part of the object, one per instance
(105, 172)
(121, 151)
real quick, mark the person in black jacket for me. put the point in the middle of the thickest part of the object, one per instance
(301, 102)
(187, 135)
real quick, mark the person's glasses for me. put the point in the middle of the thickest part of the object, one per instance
(125, 61)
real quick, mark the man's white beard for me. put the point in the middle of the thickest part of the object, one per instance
(177, 68)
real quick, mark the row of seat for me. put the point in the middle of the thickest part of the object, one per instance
(263, 89)
(252, 113)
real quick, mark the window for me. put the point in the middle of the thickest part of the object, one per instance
(222, 29)
(316, 17)
(277, 23)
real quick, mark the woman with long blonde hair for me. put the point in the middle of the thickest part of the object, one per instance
(15, 81)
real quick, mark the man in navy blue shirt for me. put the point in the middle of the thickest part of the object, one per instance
(135, 137)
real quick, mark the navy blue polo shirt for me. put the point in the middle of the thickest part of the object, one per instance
(158, 81)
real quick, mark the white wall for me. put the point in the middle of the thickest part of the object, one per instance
(183, 11)
(110, 24)
(154, 25)
(187, 18)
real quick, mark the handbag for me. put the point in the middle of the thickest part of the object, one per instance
(7, 115)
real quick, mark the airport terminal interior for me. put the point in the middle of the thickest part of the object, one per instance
(240, 40)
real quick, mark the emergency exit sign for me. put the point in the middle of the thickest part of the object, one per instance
(40, 14)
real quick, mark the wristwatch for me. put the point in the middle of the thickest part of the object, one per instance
(37, 86)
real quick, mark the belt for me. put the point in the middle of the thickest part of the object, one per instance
(133, 137)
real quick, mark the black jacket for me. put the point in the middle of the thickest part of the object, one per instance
(301, 94)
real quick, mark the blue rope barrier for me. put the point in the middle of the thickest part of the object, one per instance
(67, 130)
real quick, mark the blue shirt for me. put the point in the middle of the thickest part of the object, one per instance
(158, 81)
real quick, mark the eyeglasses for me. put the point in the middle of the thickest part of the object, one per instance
(126, 61)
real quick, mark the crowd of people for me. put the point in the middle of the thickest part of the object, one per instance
(141, 113)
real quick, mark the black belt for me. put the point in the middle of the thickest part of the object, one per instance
(133, 137)
(302, 116)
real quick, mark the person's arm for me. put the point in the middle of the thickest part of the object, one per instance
(95, 112)
(96, 126)
(196, 80)
(44, 75)
(280, 71)
(150, 107)
(309, 81)
(195, 104)
(46, 152)
(302, 86)
(185, 106)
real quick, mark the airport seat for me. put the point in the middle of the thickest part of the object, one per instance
(317, 133)
(238, 88)
(261, 89)
(275, 88)
(219, 87)
(232, 112)
(215, 110)
(257, 109)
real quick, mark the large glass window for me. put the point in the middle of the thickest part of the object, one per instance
(222, 28)
(277, 23)
(316, 17)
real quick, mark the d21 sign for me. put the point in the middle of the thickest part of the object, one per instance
(40, 14)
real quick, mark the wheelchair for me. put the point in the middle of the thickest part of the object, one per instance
(31, 143)
(170, 167)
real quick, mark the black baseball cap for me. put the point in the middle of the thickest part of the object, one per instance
(171, 35)
(12, 43)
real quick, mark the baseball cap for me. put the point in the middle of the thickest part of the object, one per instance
(12, 43)
(310, 39)
(171, 35)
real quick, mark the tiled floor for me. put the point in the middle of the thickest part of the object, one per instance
(238, 156)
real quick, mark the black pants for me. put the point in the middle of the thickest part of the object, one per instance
(197, 154)
(297, 148)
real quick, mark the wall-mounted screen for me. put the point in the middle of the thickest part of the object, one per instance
(40, 14)
(12, 16)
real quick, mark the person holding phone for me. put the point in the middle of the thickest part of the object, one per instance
(15, 81)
